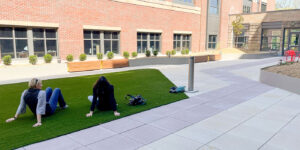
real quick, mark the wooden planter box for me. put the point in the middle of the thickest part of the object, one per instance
(199, 59)
(84, 66)
(118, 63)
(214, 57)
(96, 65)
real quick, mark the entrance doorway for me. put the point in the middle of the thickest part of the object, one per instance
(294, 41)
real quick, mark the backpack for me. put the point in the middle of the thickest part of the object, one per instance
(135, 100)
(179, 89)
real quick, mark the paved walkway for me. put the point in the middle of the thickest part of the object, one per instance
(232, 110)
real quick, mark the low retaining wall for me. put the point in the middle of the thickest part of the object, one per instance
(171, 60)
(281, 81)
(259, 56)
(118, 63)
(158, 61)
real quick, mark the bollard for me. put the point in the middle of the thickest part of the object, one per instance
(191, 74)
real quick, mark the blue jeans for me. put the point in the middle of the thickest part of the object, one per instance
(53, 97)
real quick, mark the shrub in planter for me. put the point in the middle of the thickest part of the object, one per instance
(33, 59)
(183, 52)
(70, 58)
(168, 53)
(48, 58)
(99, 56)
(7, 60)
(134, 54)
(173, 52)
(110, 55)
(126, 55)
(187, 51)
(148, 53)
(82, 57)
(155, 53)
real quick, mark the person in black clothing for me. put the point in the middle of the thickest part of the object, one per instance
(41, 103)
(103, 97)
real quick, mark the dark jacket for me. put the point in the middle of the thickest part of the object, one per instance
(106, 99)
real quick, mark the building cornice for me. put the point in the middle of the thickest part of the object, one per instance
(182, 32)
(149, 30)
(163, 5)
(28, 24)
(103, 28)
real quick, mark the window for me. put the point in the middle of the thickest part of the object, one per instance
(181, 42)
(6, 42)
(21, 42)
(263, 7)
(148, 41)
(44, 42)
(111, 42)
(213, 6)
(100, 41)
(212, 41)
(246, 9)
(185, 2)
(241, 41)
(14, 42)
(271, 39)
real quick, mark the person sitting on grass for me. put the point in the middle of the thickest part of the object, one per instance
(103, 97)
(41, 103)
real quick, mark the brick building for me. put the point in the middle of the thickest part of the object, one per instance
(62, 27)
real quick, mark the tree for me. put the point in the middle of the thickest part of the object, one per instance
(297, 4)
(286, 4)
(237, 25)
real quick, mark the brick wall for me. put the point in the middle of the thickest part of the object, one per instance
(228, 7)
(271, 5)
(72, 15)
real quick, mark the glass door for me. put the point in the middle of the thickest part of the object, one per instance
(294, 41)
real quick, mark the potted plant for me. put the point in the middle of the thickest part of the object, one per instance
(148, 53)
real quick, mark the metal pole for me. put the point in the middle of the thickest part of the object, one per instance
(191, 73)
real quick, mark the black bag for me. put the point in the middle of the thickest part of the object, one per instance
(135, 100)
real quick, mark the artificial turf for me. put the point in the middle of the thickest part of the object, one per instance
(150, 83)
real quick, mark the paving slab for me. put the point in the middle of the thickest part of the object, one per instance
(116, 142)
(91, 135)
(170, 124)
(146, 134)
(122, 125)
(60, 143)
(175, 142)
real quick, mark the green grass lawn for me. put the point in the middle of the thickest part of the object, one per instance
(152, 84)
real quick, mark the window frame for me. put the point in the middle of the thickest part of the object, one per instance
(148, 40)
(181, 41)
(184, 2)
(265, 40)
(101, 40)
(212, 6)
(212, 42)
(45, 39)
(265, 7)
(30, 40)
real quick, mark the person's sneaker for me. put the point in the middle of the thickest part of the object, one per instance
(66, 106)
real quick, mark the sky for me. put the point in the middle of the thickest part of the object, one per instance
(289, 3)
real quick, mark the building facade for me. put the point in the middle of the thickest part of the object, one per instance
(275, 31)
(62, 27)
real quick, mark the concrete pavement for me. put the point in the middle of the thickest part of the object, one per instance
(232, 110)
